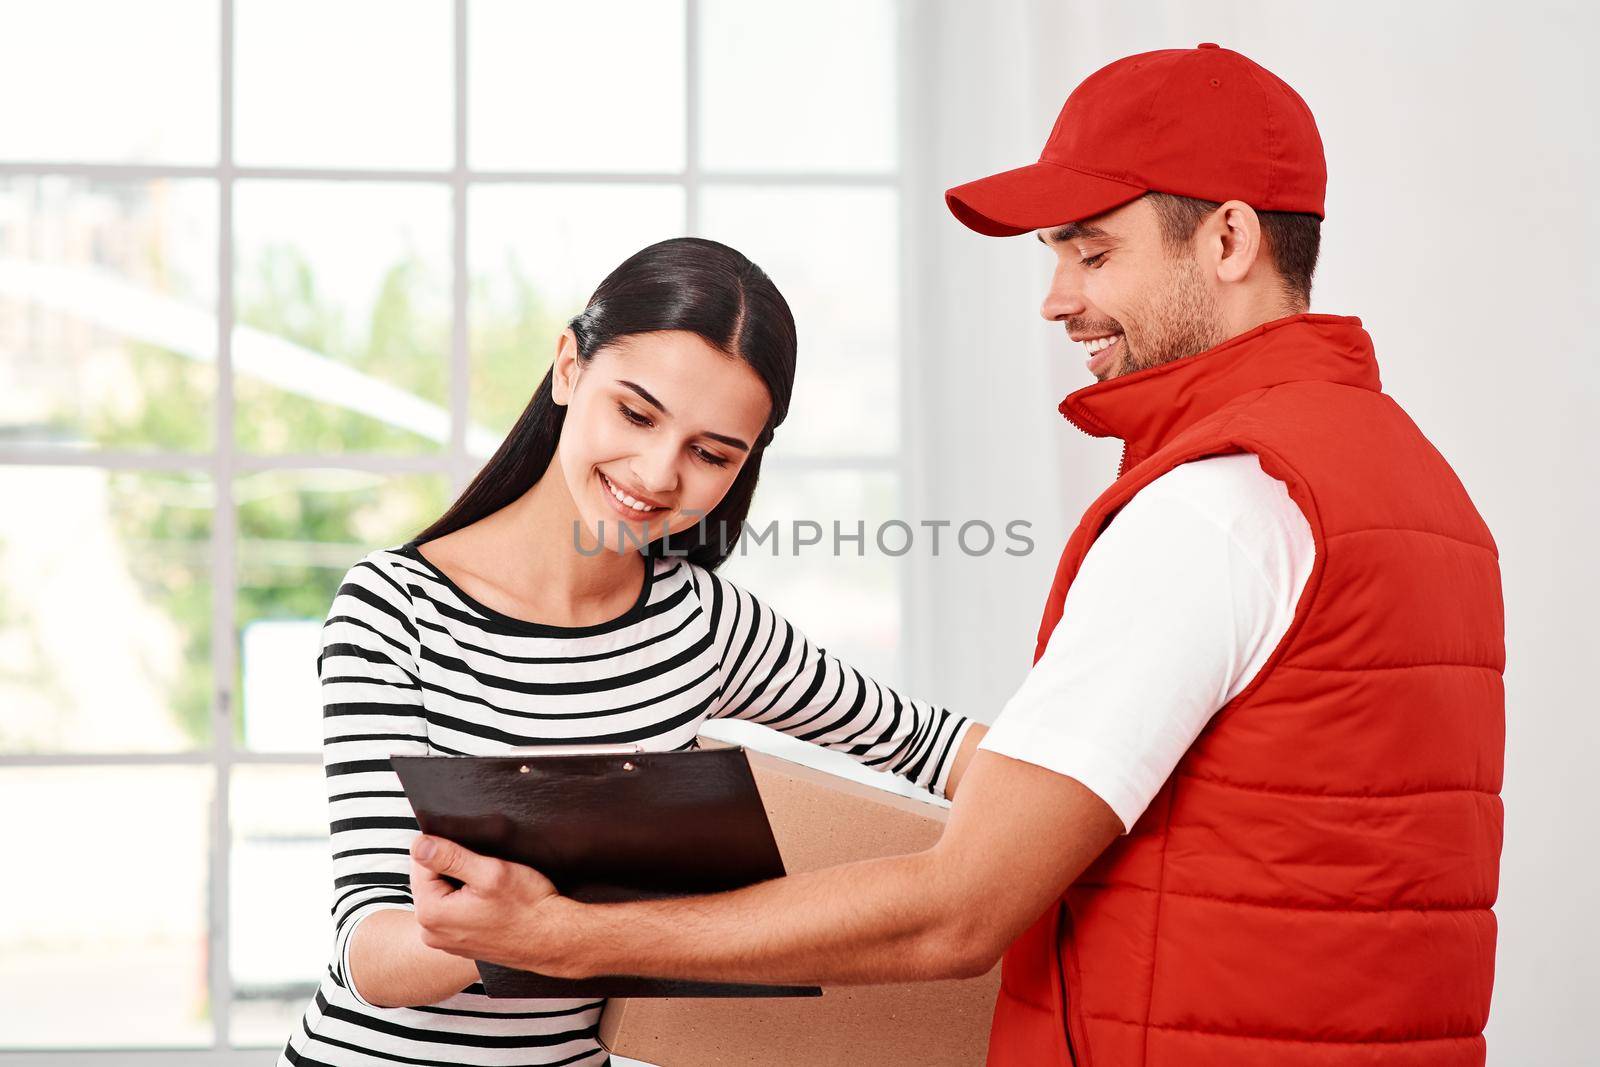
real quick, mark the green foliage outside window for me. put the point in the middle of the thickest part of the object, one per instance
(299, 531)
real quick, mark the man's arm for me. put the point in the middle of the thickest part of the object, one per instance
(1205, 566)
(1018, 835)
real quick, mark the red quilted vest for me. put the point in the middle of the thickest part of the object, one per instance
(1313, 883)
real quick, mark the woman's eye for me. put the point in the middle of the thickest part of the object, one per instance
(1094, 260)
(633, 416)
(711, 458)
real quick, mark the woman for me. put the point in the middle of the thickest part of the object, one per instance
(529, 614)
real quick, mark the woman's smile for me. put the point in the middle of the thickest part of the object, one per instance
(627, 504)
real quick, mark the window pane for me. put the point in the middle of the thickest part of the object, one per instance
(299, 532)
(107, 305)
(105, 610)
(343, 299)
(558, 86)
(109, 82)
(107, 948)
(766, 104)
(280, 885)
(846, 600)
(359, 83)
(835, 259)
(538, 252)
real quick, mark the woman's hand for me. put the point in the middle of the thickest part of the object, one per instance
(502, 913)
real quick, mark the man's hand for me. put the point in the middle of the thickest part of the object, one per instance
(498, 912)
(1018, 835)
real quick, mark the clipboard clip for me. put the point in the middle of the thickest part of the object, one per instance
(575, 750)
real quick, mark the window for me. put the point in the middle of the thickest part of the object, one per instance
(268, 296)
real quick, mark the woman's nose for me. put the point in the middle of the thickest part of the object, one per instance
(657, 470)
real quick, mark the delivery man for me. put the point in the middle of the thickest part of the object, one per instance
(1245, 808)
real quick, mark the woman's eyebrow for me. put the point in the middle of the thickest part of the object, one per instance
(659, 406)
(732, 442)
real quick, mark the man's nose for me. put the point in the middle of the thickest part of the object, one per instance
(1063, 299)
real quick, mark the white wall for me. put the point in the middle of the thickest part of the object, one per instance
(1462, 150)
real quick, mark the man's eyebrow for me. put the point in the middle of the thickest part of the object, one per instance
(1072, 231)
(732, 442)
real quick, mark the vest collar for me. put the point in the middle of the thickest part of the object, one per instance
(1148, 408)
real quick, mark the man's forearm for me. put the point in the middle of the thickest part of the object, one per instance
(1018, 835)
(883, 920)
(892, 919)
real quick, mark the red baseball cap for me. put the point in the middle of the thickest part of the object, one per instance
(1202, 122)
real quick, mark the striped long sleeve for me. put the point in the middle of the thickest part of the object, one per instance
(771, 674)
(372, 709)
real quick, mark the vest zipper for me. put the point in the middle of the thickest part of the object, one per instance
(1122, 461)
(1066, 1022)
(1066, 986)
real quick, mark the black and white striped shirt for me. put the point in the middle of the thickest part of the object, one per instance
(411, 664)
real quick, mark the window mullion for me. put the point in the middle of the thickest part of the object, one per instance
(461, 465)
(910, 120)
(691, 116)
(223, 569)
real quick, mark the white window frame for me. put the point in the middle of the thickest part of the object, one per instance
(225, 462)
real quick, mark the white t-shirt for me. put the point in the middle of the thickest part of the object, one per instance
(1176, 607)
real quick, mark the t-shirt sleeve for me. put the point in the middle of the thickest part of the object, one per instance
(1176, 607)
(371, 710)
(771, 674)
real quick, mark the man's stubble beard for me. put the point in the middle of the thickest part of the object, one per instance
(1178, 319)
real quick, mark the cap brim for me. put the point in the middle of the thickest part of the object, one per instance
(1032, 197)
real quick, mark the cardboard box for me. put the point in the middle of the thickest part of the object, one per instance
(820, 820)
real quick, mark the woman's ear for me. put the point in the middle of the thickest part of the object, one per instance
(565, 369)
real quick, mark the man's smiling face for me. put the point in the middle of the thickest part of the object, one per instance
(1132, 297)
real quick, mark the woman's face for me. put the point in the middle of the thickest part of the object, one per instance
(658, 426)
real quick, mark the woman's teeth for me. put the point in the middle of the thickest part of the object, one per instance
(1098, 343)
(625, 498)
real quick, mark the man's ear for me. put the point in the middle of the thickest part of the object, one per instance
(564, 370)
(1236, 229)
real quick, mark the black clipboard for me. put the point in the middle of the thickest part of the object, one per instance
(605, 824)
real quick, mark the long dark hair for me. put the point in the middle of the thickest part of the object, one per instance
(685, 283)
